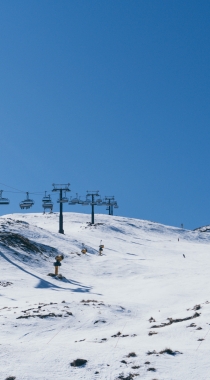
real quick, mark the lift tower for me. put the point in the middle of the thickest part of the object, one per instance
(93, 202)
(110, 202)
(61, 200)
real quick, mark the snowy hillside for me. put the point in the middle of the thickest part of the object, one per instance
(149, 291)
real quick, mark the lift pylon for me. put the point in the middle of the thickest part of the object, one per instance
(110, 202)
(61, 200)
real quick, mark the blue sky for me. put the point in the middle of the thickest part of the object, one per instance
(110, 96)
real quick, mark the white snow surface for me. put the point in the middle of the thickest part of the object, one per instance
(141, 274)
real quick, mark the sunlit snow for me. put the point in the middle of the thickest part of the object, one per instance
(121, 309)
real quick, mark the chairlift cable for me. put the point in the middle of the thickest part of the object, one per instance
(12, 187)
(20, 191)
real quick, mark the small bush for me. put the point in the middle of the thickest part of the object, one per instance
(129, 377)
(11, 378)
(169, 352)
(166, 351)
(152, 333)
(78, 363)
(151, 369)
(152, 319)
(116, 335)
(191, 325)
(131, 355)
(197, 307)
(151, 352)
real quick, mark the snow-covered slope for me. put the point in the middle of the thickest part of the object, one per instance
(140, 297)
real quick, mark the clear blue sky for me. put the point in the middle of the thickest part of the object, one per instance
(111, 96)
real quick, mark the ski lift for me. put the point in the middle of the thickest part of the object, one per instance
(46, 197)
(27, 203)
(74, 201)
(70, 201)
(112, 203)
(3, 201)
(47, 203)
(103, 203)
(63, 200)
(116, 206)
(86, 202)
(99, 202)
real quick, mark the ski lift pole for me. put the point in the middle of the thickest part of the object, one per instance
(61, 188)
(110, 212)
(92, 215)
(110, 203)
(61, 230)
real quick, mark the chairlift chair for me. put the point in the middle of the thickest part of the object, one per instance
(45, 197)
(75, 200)
(86, 202)
(47, 203)
(112, 203)
(63, 199)
(70, 201)
(27, 203)
(3, 201)
(103, 203)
